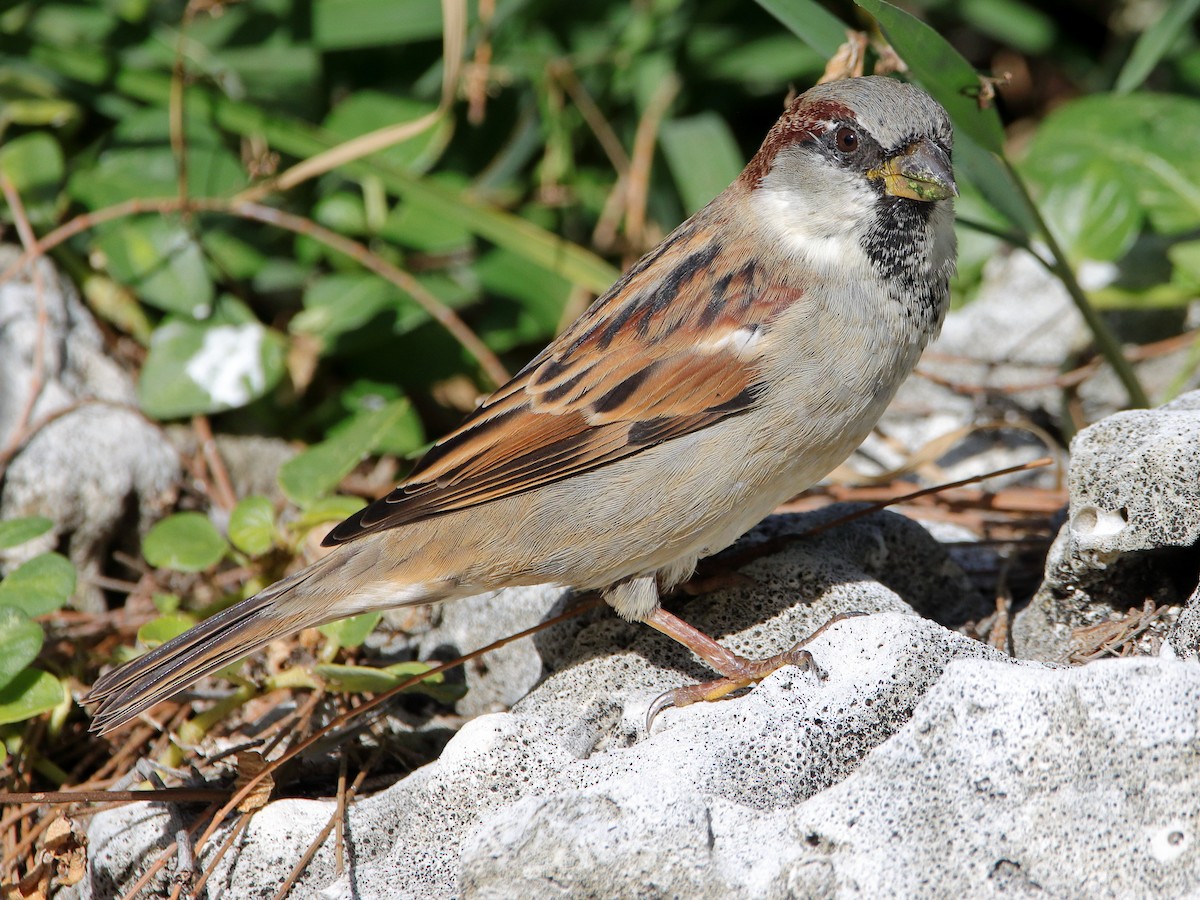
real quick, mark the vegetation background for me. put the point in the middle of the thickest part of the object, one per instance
(213, 174)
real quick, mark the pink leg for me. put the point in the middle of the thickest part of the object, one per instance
(738, 671)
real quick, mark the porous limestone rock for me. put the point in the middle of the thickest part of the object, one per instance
(1132, 527)
(88, 459)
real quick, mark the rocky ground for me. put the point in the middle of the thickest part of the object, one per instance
(914, 759)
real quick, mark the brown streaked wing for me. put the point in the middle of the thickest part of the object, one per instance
(645, 364)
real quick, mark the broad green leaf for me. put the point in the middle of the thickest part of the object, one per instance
(20, 642)
(422, 227)
(353, 631)
(148, 168)
(343, 301)
(1185, 258)
(159, 631)
(328, 509)
(1149, 140)
(366, 111)
(759, 66)
(185, 542)
(161, 262)
(403, 437)
(1170, 26)
(540, 294)
(252, 525)
(1013, 23)
(1094, 215)
(940, 70)
(204, 367)
(342, 212)
(39, 586)
(320, 468)
(995, 182)
(30, 694)
(166, 603)
(232, 253)
(364, 679)
(702, 155)
(14, 532)
(34, 164)
(345, 24)
(811, 22)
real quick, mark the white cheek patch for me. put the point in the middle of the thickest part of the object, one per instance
(823, 229)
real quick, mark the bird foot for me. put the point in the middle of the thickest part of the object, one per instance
(739, 672)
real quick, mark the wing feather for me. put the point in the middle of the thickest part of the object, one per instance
(657, 357)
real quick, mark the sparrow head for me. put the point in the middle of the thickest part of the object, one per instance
(878, 132)
(856, 180)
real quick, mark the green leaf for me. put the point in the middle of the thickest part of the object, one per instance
(166, 603)
(147, 166)
(320, 468)
(344, 24)
(406, 435)
(14, 532)
(355, 679)
(34, 164)
(185, 542)
(995, 182)
(159, 259)
(353, 631)
(328, 509)
(20, 642)
(758, 66)
(422, 227)
(1154, 43)
(540, 294)
(30, 694)
(1013, 23)
(342, 302)
(1149, 140)
(364, 679)
(39, 586)
(206, 367)
(342, 212)
(811, 22)
(252, 525)
(941, 70)
(159, 631)
(702, 155)
(365, 111)
(1094, 215)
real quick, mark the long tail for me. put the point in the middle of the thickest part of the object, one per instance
(213, 644)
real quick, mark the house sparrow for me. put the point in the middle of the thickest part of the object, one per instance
(730, 368)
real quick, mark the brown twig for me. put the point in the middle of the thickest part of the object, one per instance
(222, 493)
(163, 858)
(234, 833)
(644, 142)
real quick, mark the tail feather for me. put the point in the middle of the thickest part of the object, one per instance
(216, 642)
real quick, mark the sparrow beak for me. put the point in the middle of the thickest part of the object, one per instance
(922, 171)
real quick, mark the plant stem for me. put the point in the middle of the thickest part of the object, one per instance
(1106, 341)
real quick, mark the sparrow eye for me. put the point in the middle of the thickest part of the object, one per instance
(846, 139)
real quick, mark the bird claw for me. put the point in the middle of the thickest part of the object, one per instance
(750, 672)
